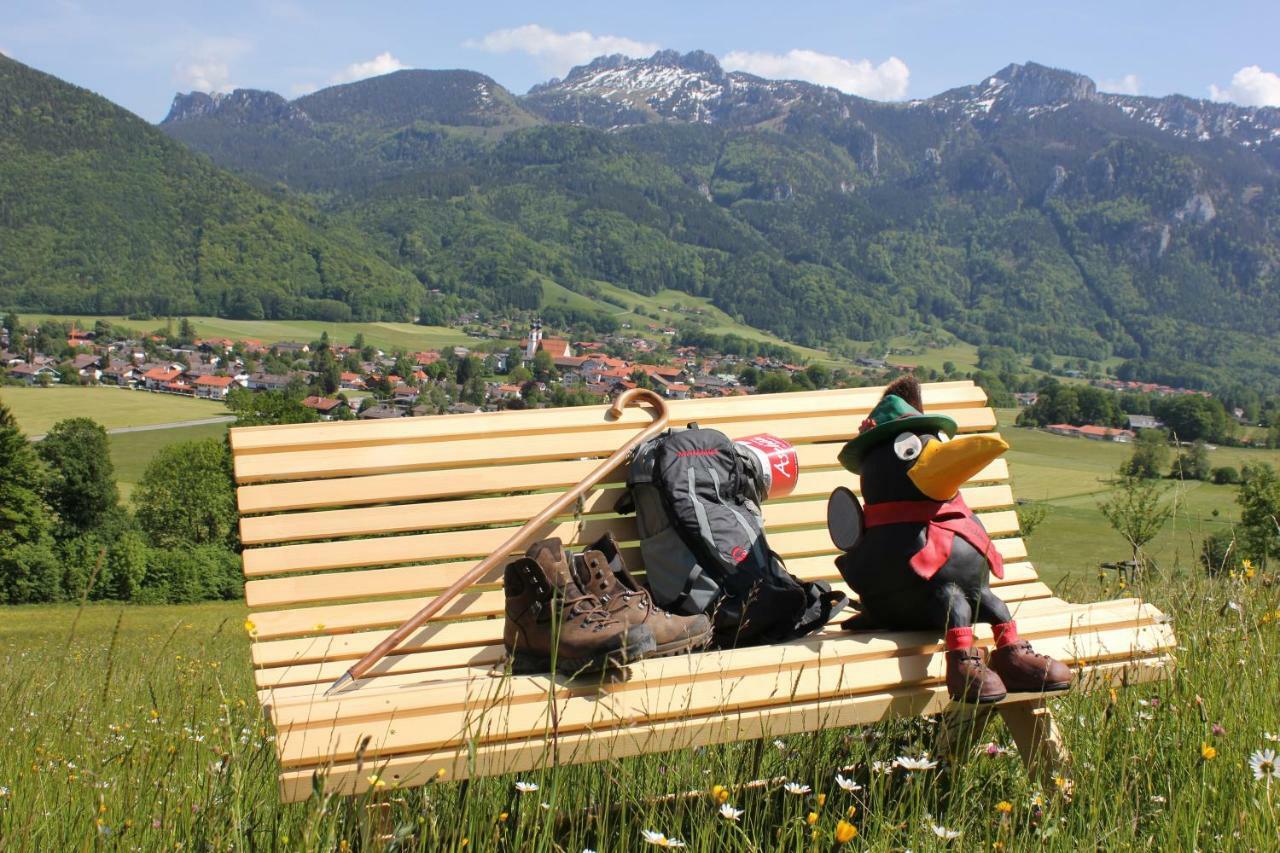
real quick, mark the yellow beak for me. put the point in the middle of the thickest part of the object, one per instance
(943, 468)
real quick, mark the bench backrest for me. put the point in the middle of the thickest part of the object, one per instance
(350, 527)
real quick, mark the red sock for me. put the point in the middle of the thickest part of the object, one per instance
(959, 639)
(1006, 633)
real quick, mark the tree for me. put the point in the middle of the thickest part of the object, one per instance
(28, 568)
(256, 408)
(1259, 500)
(1226, 476)
(1193, 464)
(82, 484)
(1136, 512)
(1150, 455)
(186, 496)
(774, 383)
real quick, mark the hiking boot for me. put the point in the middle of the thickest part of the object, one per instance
(970, 680)
(1026, 671)
(551, 621)
(600, 572)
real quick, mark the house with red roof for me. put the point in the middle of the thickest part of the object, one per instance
(157, 377)
(326, 407)
(214, 387)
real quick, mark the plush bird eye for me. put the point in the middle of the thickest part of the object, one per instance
(907, 446)
(943, 437)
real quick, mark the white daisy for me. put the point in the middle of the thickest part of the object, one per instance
(1159, 799)
(526, 787)
(659, 840)
(847, 784)
(780, 744)
(1269, 736)
(944, 833)
(728, 812)
(924, 762)
(1263, 764)
(796, 788)
(881, 766)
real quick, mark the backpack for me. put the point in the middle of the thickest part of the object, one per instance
(696, 496)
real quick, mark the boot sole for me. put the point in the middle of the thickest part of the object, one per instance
(526, 663)
(981, 700)
(689, 644)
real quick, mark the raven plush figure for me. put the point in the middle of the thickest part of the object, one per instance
(918, 557)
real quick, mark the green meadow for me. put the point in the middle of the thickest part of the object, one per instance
(37, 409)
(133, 727)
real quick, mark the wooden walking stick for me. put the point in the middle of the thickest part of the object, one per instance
(524, 535)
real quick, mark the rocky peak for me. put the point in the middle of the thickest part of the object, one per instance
(1036, 85)
(242, 106)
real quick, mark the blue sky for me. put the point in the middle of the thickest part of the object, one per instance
(139, 53)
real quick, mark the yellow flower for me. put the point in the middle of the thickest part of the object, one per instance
(811, 818)
(720, 793)
(344, 845)
(249, 627)
(853, 810)
(1208, 753)
(376, 782)
(502, 818)
(1004, 807)
(997, 846)
(102, 808)
(822, 800)
(845, 832)
(155, 715)
(440, 774)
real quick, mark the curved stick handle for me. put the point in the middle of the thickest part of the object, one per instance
(525, 534)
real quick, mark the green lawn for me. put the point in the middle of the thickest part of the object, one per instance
(1070, 476)
(131, 452)
(388, 336)
(37, 409)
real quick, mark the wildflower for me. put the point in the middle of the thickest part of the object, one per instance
(1037, 800)
(1208, 753)
(657, 839)
(847, 784)
(1004, 807)
(720, 793)
(728, 812)
(250, 628)
(845, 832)
(822, 800)
(376, 782)
(1263, 764)
(440, 774)
(811, 818)
(502, 818)
(4, 792)
(995, 750)
(1158, 799)
(796, 788)
(526, 787)
(1247, 566)
(1269, 736)
(780, 744)
(1218, 730)
(924, 762)
(944, 833)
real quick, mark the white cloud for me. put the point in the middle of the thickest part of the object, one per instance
(1252, 87)
(383, 63)
(1129, 84)
(856, 76)
(558, 52)
(207, 67)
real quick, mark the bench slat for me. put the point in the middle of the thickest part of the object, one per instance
(462, 452)
(311, 641)
(666, 736)
(398, 723)
(246, 440)
(418, 669)
(369, 583)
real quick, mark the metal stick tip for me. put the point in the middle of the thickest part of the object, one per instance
(346, 676)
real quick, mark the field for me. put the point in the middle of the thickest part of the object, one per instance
(137, 727)
(37, 409)
(131, 452)
(388, 336)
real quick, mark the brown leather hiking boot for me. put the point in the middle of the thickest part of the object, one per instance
(970, 680)
(551, 622)
(1026, 671)
(600, 571)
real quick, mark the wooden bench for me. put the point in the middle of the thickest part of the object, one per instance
(349, 528)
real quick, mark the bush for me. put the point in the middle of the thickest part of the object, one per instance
(185, 575)
(186, 496)
(1218, 553)
(1226, 476)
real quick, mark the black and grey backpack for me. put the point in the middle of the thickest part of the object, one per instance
(696, 496)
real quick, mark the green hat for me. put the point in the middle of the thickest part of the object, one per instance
(892, 416)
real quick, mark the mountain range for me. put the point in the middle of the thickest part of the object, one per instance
(1027, 210)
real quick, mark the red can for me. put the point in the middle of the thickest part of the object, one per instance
(778, 461)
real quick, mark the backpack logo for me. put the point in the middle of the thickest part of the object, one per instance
(739, 554)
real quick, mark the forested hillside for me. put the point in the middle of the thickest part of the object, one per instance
(102, 213)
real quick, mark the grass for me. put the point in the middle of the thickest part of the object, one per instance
(137, 727)
(37, 409)
(387, 336)
(131, 452)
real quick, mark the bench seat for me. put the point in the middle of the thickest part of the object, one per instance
(349, 529)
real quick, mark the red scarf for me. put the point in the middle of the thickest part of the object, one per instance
(946, 521)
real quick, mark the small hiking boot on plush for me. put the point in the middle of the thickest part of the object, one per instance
(551, 622)
(970, 680)
(1025, 671)
(600, 572)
